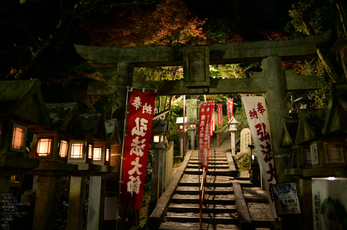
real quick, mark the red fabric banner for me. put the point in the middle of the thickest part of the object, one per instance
(220, 114)
(214, 117)
(139, 127)
(204, 133)
(211, 126)
(230, 104)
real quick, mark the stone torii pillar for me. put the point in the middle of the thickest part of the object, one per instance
(272, 82)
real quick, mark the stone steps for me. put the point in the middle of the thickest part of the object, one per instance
(207, 208)
(196, 226)
(225, 218)
(219, 209)
(230, 202)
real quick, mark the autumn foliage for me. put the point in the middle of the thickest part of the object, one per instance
(166, 23)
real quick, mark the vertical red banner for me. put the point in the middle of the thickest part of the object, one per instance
(211, 105)
(220, 114)
(214, 116)
(204, 132)
(139, 127)
(230, 105)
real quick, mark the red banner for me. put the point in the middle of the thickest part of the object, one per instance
(139, 127)
(211, 123)
(220, 114)
(204, 132)
(214, 117)
(230, 104)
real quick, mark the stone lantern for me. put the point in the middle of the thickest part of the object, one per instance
(99, 153)
(182, 123)
(192, 127)
(158, 144)
(21, 108)
(232, 129)
(51, 146)
(94, 147)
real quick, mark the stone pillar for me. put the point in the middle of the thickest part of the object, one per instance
(155, 181)
(191, 105)
(305, 198)
(94, 204)
(124, 78)
(76, 203)
(192, 139)
(5, 182)
(232, 136)
(45, 203)
(162, 165)
(277, 108)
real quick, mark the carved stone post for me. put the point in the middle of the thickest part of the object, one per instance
(277, 107)
(124, 78)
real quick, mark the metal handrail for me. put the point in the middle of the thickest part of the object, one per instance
(202, 186)
(219, 134)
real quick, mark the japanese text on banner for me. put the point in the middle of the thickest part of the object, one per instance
(230, 106)
(257, 117)
(205, 116)
(139, 127)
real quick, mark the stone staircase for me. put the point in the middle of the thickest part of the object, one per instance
(219, 209)
(231, 200)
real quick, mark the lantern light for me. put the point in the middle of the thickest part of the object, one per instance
(77, 150)
(90, 151)
(13, 178)
(156, 138)
(64, 147)
(44, 146)
(97, 154)
(18, 136)
(107, 154)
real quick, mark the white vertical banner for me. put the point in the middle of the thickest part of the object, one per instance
(257, 117)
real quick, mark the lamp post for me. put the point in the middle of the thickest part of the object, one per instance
(51, 147)
(182, 123)
(158, 144)
(232, 129)
(192, 128)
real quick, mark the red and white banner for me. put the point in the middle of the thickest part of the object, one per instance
(257, 117)
(139, 127)
(220, 114)
(205, 116)
(211, 104)
(230, 106)
(214, 117)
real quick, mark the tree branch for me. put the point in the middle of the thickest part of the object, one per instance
(59, 31)
(328, 66)
(342, 14)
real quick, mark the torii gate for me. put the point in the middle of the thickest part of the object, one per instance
(272, 81)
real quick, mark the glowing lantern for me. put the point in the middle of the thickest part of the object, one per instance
(97, 154)
(44, 146)
(63, 149)
(18, 137)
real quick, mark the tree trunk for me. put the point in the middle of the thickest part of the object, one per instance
(328, 63)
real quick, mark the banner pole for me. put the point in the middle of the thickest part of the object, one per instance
(122, 154)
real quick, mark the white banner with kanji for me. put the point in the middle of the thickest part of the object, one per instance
(139, 127)
(257, 117)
